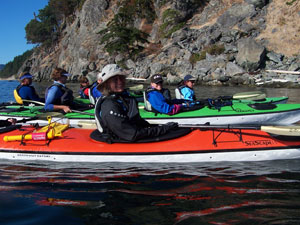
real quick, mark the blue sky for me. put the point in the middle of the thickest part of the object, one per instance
(14, 15)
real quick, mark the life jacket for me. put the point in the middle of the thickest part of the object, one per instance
(92, 98)
(178, 93)
(66, 98)
(82, 94)
(165, 92)
(130, 109)
(18, 98)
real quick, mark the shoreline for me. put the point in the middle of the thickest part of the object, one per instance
(9, 78)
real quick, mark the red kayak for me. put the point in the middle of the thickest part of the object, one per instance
(76, 145)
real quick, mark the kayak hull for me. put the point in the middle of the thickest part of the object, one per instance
(167, 158)
(197, 146)
(239, 113)
(266, 118)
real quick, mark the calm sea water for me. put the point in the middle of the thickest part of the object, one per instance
(151, 194)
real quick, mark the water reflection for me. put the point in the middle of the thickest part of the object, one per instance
(107, 193)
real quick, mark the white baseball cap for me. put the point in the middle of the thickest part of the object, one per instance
(109, 71)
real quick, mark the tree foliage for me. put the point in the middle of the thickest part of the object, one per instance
(13, 66)
(121, 36)
(48, 24)
(43, 29)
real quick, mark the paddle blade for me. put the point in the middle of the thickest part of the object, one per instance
(254, 95)
(138, 87)
(45, 115)
(282, 130)
(87, 124)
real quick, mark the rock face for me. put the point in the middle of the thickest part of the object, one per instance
(219, 44)
(250, 54)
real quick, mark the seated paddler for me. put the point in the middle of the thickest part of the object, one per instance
(94, 93)
(58, 97)
(158, 99)
(117, 115)
(85, 84)
(25, 93)
(185, 90)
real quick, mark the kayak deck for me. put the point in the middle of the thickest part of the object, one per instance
(237, 109)
(198, 146)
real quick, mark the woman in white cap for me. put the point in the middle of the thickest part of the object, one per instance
(117, 115)
(58, 96)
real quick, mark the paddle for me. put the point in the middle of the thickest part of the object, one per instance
(42, 116)
(59, 114)
(135, 79)
(138, 87)
(17, 125)
(254, 95)
(32, 101)
(278, 130)
(84, 113)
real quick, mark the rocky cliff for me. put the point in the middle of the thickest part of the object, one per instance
(221, 42)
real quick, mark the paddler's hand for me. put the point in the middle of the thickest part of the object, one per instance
(185, 104)
(170, 126)
(66, 109)
(12, 121)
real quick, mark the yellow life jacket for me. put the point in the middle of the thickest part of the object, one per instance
(17, 97)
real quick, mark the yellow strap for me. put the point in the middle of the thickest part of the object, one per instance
(18, 98)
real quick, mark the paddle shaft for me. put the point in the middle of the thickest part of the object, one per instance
(278, 130)
(227, 126)
(25, 120)
(32, 101)
(84, 113)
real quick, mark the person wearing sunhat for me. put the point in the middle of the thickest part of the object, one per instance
(117, 114)
(58, 96)
(25, 90)
(85, 84)
(160, 97)
(186, 88)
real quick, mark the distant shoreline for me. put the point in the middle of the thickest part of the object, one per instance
(9, 78)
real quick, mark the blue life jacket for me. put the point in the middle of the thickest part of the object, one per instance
(164, 95)
(66, 98)
(32, 90)
(180, 95)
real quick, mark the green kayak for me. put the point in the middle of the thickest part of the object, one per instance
(237, 113)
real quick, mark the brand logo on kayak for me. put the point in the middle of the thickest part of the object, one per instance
(243, 110)
(259, 142)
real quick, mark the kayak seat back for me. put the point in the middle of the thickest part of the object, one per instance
(147, 104)
(263, 106)
(175, 133)
(178, 94)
